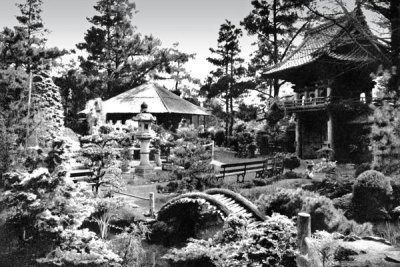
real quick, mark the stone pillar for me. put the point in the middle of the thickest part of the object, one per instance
(298, 135)
(144, 152)
(316, 92)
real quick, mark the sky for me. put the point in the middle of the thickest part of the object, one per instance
(194, 24)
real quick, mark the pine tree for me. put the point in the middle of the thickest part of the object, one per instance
(274, 24)
(119, 58)
(177, 69)
(228, 56)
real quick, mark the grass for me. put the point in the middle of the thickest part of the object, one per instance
(389, 231)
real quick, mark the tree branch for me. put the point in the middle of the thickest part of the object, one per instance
(291, 40)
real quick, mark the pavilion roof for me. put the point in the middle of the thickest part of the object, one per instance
(347, 39)
(158, 99)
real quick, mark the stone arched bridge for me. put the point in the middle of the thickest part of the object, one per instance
(222, 202)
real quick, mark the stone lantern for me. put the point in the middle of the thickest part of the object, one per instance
(144, 135)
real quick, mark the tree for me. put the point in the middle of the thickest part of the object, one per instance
(274, 24)
(25, 44)
(177, 69)
(389, 11)
(22, 51)
(119, 58)
(228, 55)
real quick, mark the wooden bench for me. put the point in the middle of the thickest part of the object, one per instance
(81, 175)
(263, 168)
(241, 169)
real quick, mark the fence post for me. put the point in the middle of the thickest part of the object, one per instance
(303, 231)
(151, 204)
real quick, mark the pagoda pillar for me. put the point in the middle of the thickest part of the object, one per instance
(330, 134)
(298, 135)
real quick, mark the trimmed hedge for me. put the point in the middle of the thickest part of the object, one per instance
(371, 196)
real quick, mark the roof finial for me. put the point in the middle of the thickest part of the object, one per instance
(143, 107)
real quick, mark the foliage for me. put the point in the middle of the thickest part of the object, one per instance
(246, 112)
(128, 245)
(389, 231)
(371, 196)
(119, 57)
(105, 209)
(99, 153)
(275, 113)
(323, 214)
(271, 243)
(193, 159)
(330, 188)
(291, 162)
(243, 140)
(327, 167)
(219, 137)
(81, 247)
(362, 168)
(25, 45)
(385, 134)
(326, 246)
(197, 172)
(275, 25)
(224, 81)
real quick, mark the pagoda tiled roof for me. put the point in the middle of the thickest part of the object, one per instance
(326, 43)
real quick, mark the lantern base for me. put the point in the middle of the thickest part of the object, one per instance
(144, 170)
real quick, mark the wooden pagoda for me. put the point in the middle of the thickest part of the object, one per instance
(331, 76)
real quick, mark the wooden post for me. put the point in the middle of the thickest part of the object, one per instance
(151, 204)
(298, 135)
(303, 231)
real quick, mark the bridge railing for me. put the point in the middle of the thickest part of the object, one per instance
(151, 200)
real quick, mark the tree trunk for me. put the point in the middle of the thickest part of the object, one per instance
(276, 48)
(395, 43)
(227, 103)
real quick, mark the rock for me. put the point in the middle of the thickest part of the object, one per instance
(377, 239)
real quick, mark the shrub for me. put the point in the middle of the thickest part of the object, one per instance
(362, 168)
(330, 188)
(291, 162)
(219, 137)
(324, 216)
(345, 203)
(271, 243)
(371, 196)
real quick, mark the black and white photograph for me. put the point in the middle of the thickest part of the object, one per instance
(199, 133)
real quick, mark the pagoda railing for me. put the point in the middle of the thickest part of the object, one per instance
(317, 103)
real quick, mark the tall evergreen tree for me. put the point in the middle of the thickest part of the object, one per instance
(22, 51)
(177, 69)
(118, 56)
(25, 45)
(228, 56)
(274, 24)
